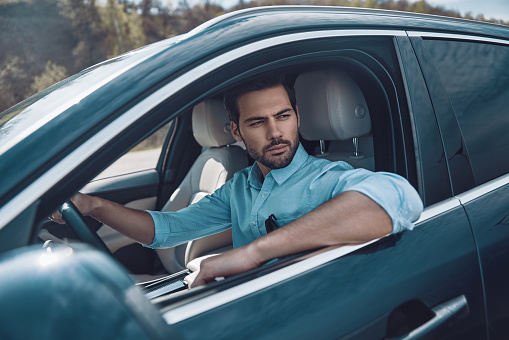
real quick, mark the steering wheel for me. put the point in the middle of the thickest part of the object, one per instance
(74, 219)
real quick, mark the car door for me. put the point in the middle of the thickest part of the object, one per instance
(420, 283)
(476, 97)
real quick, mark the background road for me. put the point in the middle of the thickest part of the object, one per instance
(132, 162)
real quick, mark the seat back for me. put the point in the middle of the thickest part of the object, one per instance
(332, 107)
(216, 164)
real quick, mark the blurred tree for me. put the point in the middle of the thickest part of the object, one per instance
(159, 21)
(124, 31)
(12, 74)
(80, 33)
(52, 74)
(146, 7)
(198, 14)
(6, 2)
(86, 23)
(421, 7)
(371, 4)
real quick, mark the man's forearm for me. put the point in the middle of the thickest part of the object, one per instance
(349, 218)
(136, 224)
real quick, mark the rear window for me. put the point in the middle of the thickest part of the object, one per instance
(476, 78)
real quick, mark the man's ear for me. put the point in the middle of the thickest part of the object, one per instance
(235, 132)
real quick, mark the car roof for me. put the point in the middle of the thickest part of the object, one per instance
(347, 17)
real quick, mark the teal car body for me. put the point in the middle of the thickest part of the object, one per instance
(446, 279)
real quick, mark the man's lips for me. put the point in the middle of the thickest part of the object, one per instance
(277, 148)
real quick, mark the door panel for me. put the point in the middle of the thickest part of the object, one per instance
(489, 215)
(478, 97)
(354, 296)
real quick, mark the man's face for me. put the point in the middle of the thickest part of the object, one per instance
(268, 125)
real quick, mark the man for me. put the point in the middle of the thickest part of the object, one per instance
(319, 203)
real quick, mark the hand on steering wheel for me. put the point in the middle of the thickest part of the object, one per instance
(70, 215)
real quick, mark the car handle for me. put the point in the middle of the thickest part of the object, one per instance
(446, 315)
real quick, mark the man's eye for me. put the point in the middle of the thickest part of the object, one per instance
(255, 123)
(284, 116)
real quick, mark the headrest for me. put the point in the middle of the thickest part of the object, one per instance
(331, 106)
(211, 125)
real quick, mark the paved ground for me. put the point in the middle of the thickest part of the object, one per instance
(132, 162)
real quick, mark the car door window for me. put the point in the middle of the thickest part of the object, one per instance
(476, 79)
(144, 156)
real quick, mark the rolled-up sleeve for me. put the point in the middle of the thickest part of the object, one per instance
(392, 192)
(212, 214)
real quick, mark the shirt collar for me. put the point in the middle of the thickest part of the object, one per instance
(280, 175)
(255, 176)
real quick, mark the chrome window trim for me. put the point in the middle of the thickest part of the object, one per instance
(205, 304)
(35, 190)
(483, 189)
(210, 302)
(437, 209)
(456, 37)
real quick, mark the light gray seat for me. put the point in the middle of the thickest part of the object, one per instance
(216, 164)
(332, 107)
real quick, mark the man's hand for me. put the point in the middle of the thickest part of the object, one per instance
(230, 263)
(83, 203)
(133, 223)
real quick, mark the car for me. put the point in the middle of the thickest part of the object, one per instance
(422, 96)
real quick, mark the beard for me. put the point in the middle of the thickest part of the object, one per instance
(277, 161)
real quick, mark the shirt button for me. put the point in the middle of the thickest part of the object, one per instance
(263, 195)
(253, 224)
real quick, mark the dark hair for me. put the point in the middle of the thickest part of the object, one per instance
(267, 81)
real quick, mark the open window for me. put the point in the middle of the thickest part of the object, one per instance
(368, 68)
(371, 88)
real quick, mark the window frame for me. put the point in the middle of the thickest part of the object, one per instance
(183, 307)
(152, 112)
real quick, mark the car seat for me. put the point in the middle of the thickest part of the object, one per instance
(333, 108)
(218, 162)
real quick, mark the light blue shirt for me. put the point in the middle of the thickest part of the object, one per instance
(246, 201)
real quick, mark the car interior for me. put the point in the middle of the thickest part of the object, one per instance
(336, 124)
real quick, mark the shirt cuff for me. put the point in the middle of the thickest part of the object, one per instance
(396, 196)
(160, 232)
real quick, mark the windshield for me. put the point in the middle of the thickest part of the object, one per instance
(22, 119)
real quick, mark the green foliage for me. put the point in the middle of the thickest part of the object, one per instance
(87, 28)
(12, 71)
(44, 40)
(7, 2)
(124, 31)
(52, 74)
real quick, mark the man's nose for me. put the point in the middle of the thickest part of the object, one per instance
(273, 129)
